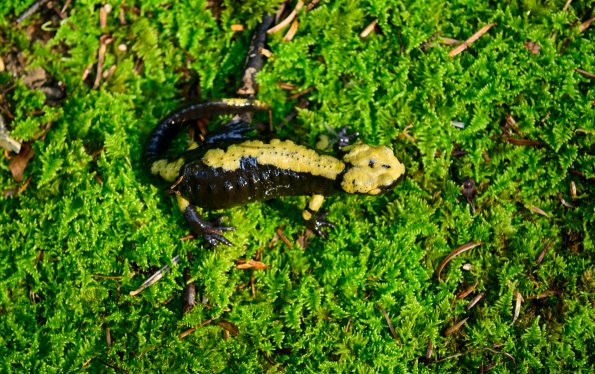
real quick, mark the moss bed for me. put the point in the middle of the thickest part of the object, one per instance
(433, 276)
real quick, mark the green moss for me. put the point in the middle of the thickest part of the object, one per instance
(90, 226)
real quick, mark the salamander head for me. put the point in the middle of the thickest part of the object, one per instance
(370, 170)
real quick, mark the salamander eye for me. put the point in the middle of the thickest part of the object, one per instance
(386, 166)
(371, 163)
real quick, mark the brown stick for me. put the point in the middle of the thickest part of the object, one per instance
(469, 41)
(456, 252)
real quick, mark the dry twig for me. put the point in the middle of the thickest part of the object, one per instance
(283, 24)
(469, 41)
(456, 252)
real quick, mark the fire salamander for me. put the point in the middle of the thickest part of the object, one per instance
(229, 168)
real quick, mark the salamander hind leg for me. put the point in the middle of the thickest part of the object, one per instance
(211, 231)
(314, 220)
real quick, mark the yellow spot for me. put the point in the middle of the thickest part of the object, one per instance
(315, 202)
(370, 168)
(182, 203)
(375, 191)
(306, 215)
(323, 143)
(192, 146)
(244, 102)
(282, 154)
(167, 170)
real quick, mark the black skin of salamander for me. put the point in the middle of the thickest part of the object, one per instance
(215, 188)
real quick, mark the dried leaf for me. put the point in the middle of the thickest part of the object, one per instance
(19, 162)
(455, 327)
(532, 47)
(228, 326)
(251, 264)
(539, 211)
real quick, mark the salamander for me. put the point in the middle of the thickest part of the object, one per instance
(231, 167)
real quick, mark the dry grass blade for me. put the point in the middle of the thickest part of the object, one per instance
(283, 24)
(251, 264)
(292, 31)
(539, 211)
(228, 326)
(475, 300)
(585, 73)
(430, 350)
(585, 25)
(467, 291)
(517, 306)
(543, 252)
(155, 277)
(455, 327)
(104, 40)
(469, 41)
(193, 329)
(456, 252)
(368, 29)
(390, 325)
(479, 350)
(283, 237)
(532, 47)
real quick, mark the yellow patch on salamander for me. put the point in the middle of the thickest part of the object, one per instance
(315, 202)
(370, 169)
(168, 170)
(282, 154)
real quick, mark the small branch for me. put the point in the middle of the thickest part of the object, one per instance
(104, 40)
(508, 355)
(255, 59)
(469, 41)
(585, 73)
(192, 329)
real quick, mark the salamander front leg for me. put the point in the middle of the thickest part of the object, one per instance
(234, 130)
(210, 231)
(316, 221)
